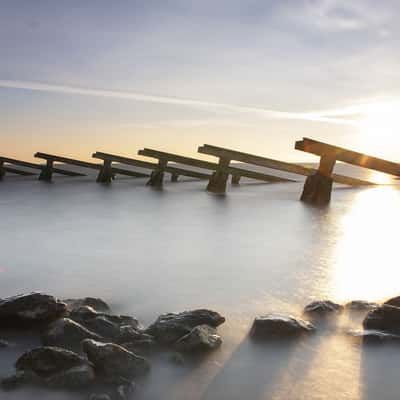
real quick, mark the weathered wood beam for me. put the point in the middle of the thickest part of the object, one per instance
(348, 156)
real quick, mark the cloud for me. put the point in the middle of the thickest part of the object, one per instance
(209, 105)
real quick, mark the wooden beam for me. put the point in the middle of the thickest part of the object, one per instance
(348, 156)
(275, 164)
(18, 171)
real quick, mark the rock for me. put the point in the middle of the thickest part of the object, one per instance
(322, 307)
(73, 378)
(67, 333)
(97, 304)
(279, 325)
(200, 338)
(101, 396)
(140, 346)
(373, 336)
(125, 391)
(383, 318)
(361, 305)
(20, 378)
(47, 361)
(3, 344)
(114, 362)
(176, 358)
(168, 328)
(394, 301)
(30, 309)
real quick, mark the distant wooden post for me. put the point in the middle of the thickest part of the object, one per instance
(157, 176)
(105, 174)
(2, 170)
(174, 177)
(235, 179)
(47, 171)
(218, 180)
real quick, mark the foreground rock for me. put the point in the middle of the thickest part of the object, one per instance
(383, 318)
(114, 362)
(279, 325)
(394, 301)
(52, 366)
(97, 304)
(33, 308)
(322, 307)
(67, 333)
(361, 305)
(200, 338)
(168, 328)
(375, 337)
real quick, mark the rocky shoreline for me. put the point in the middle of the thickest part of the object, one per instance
(86, 346)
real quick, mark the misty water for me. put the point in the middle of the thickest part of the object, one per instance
(256, 250)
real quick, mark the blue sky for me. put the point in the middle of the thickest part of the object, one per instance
(80, 76)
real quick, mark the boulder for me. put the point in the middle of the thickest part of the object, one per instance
(279, 325)
(374, 337)
(394, 301)
(383, 318)
(67, 333)
(96, 303)
(361, 305)
(168, 328)
(3, 344)
(125, 391)
(322, 307)
(113, 362)
(200, 338)
(32, 308)
(140, 346)
(73, 378)
(47, 361)
(19, 379)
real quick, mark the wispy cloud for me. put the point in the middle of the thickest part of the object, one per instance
(325, 116)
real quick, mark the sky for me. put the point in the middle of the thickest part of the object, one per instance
(79, 76)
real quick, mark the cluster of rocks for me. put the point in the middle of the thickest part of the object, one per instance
(84, 345)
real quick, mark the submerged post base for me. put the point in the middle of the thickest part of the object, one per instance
(156, 179)
(317, 189)
(105, 174)
(235, 179)
(217, 183)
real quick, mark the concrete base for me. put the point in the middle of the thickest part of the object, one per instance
(317, 189)
(156, 179)
(217, 183)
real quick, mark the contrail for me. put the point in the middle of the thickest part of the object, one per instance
(266, 113)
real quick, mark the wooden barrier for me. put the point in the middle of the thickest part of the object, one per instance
(47, 172)
(155, 180)
(318, 186)
(26, 164)
(237, 173)
(217, 183)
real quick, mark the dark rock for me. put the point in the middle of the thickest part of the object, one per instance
(67, 333)
(322, 307)
(128, 334)
(394, 301)
(99, 396)
(176, 358)
(47, 361)
(200, 338)
(19, 379)
(317, 189)
(114, 362)
(168, 328)
(125, 391)
(141, 346)
(279, 325)
(361, 305)
(383, 318)
(30, 309)
(97, 304)
(3, 344)
(73, 378)
(373, 336)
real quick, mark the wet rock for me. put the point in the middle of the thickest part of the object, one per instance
(114, 362)
(97, 304)
(279, 325)
(32, 308)
(3, 344)
(394, 301)
(383, 318)
(168, 328)
(361, 305)
(176, 358)
(374, 337)
(17, 380)
(125, 391)
(322, 307)
(200, 338)
(141, 346)
(67, 333)
(101, 396)
(47, 361)
(73, 378)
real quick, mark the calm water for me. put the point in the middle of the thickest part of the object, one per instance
(256, 250)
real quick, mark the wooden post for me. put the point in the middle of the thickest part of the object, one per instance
(2, 170)
(217, 182)
(318, 187)
(235, 179)
(105, 174)
(47, 171)
(174, 177)
(157, 176)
